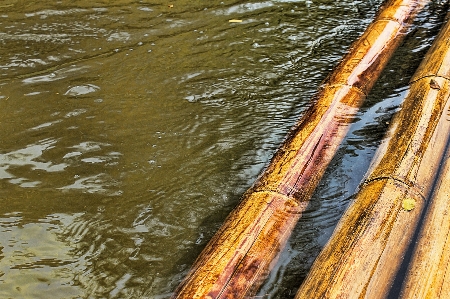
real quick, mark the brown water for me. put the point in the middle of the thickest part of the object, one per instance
(129, 130)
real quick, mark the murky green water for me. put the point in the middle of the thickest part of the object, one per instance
(129, 130)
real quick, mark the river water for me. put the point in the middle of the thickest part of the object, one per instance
(130, 129)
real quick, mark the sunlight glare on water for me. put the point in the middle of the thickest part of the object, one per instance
(130, 129)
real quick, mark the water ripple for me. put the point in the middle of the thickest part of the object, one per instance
(28, 157)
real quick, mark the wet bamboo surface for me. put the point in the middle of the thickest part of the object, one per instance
(239, 256)
(363, 256)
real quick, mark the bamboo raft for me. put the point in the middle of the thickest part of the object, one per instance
(240, 255)
(367, 247)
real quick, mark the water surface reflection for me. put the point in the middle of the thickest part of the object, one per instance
(131, 128)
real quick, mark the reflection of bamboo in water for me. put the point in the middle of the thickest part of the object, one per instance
(237, 259)
(367, 248)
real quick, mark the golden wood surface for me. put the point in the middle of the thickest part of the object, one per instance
(428, 273)
(239, 256)
(364, 254)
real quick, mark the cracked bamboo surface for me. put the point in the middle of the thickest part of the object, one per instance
(367, 247)
(239, 256)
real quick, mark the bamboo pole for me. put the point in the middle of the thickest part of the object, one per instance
(368, 245)
(427, 274)
(239, 256)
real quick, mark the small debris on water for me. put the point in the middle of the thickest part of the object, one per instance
(199, 239)
(235, 21)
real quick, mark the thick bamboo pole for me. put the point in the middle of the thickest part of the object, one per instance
(428, 272)
(366, 249)
(239, 256)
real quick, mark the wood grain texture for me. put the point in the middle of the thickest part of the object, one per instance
(239, 256)
(366, 249)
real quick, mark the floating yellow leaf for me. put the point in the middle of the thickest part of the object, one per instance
(235, 21)
(170, 5)
(408, 204)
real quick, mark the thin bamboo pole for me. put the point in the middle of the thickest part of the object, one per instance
(239, 256)
(367, 247)
(428, 272)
